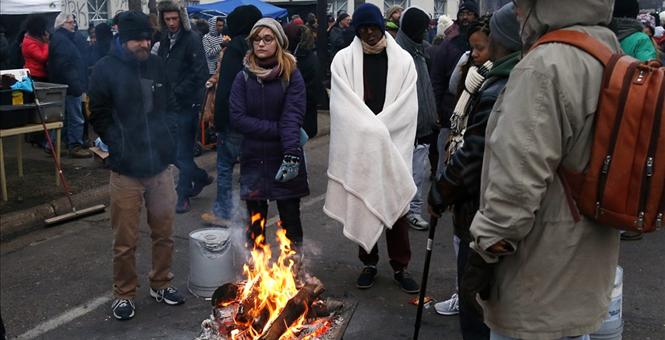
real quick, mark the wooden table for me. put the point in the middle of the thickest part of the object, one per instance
(18, 132)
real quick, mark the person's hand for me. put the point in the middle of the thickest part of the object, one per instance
(436, 203)
(289, 168)
(477, 278)
(500, 247)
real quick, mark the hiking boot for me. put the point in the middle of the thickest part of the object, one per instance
(416, 222)
(367, 277)
(631, 236)
(198, 187)
(448, 307)
(212, 219)
(169, 296)
(406, 283)
(123, 309)
(79, 152)
(182, 206)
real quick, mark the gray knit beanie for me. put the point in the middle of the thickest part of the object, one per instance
(276, 27)
(505, 29)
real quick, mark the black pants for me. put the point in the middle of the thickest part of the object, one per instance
(399, 249)
(470, 319)
(289, 214)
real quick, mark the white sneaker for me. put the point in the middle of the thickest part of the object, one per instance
(416, 222)
(448, 307)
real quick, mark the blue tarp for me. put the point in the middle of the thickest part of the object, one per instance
(227, 6)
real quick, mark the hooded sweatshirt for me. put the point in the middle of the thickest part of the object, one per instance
(557, 279)
(212, 45)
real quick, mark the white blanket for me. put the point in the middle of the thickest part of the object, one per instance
(369, 170)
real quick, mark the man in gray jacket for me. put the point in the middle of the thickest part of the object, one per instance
(552, 277)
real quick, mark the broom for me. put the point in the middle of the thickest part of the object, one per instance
(75, 213)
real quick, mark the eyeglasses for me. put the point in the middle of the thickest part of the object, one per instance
(69, 22)
(267, 39)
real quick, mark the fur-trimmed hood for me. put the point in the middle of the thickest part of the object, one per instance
(171, 6)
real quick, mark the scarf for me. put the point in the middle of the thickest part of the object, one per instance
(263, 69)
(377, 48)
(624, 27)
(427, 114)
(458, 121)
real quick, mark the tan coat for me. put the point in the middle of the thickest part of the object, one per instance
(558, 280)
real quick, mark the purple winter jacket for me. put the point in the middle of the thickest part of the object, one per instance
(269, 117)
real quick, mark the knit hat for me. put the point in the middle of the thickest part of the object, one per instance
(444, 23)
(414, 23)
(133, 25)
(60, 20)
(392, 10)
(626, 9)
(505, 29)
(276, 27)
(298, 21)
(659, 32)
(368, 15)
(241, 20)
(469, 5)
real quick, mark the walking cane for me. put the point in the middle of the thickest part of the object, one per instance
(423, 286)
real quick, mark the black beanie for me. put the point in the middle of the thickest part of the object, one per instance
(414, 23)
(368, 15)
(626, 9)
(134, 25)
(469, 5)
(241, 20)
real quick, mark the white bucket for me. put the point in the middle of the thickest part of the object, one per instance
(612, 326)
(211, 260)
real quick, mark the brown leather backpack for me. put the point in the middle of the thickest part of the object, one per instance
(623, 185)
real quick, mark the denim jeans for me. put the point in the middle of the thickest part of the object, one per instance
(74, 121)
(420, 153)
(228, 153)
(497, 336)
(190, 173)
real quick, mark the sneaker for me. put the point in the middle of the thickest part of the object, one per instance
(198, 187)
(169, 296)
(406, 283)
(367, 277)
(79, 152)
(123, 309)
(212, 219)
(448, 307)
(631, 236)
(416, 222)
(183, 206)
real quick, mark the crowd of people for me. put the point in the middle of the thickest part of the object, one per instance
(464, 95)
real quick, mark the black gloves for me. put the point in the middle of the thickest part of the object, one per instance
(478, 278)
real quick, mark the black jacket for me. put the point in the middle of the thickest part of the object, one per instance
(186, 68)
(65, 64)
(444, 58)
(308, 65)
(131, 110)
(231, 64)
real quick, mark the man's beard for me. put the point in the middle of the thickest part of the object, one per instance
(141, 54)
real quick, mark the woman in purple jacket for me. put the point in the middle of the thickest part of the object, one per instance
(267, 106)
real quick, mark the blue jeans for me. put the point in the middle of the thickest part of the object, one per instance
(74, 121)
(190, 173)
(497, 336)
(228, 154)
(420, 153)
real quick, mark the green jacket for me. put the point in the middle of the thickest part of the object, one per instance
(639, 46)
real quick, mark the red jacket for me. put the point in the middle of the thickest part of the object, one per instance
(35, 53)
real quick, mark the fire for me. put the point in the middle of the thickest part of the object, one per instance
(268, 288)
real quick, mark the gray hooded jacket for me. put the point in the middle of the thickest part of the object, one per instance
(557, 280)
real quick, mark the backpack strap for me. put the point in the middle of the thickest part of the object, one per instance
(580, 40)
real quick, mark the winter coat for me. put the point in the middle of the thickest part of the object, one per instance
(634, 42)
(185, 67)
(444, 58)
(65, 64)
(308, 65)
(132, 111)
(229, 67)
(269, 116)
(339, 39)
(460, 182)
(557, 279)
(35, 54)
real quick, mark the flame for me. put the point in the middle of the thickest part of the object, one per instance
(269, 286)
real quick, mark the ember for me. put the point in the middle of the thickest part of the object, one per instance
(274, 302)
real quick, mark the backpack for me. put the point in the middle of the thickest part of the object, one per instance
(623, 184)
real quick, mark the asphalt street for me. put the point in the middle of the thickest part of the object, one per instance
(56, 283)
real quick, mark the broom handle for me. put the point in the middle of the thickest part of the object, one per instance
(65, 186)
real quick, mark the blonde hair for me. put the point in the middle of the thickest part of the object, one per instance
(285, 60)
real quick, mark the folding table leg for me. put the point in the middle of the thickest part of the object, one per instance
(3, 179)
(58, 133)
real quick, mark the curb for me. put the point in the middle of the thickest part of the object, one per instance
(24, 221)
(27, 220)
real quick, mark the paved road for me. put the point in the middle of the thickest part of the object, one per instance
(55, 283)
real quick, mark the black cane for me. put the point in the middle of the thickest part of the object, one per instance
(423, 285)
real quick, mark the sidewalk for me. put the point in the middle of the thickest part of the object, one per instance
(36, 197)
